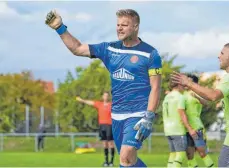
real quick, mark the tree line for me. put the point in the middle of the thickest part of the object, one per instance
(20, 89)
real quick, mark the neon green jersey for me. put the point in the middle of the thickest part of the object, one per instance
(193, 111)
(171, 117)
(223, 86)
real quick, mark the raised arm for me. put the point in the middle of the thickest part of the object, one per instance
(202, 101)
(88, 102)
(54, 21)
(206, 93)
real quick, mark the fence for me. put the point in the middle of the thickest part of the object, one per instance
(66, 142)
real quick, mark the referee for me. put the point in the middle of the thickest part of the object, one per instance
(105, 129)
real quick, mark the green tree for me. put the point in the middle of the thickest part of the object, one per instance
(16, 91)
(89, 83)
(209, 112)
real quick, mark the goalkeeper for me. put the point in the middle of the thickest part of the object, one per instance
(135, 71)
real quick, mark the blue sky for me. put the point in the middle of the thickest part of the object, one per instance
(196, 31)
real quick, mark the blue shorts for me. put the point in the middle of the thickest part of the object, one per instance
(199, 142)
(124, 133)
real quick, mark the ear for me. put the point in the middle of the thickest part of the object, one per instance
(136, 27)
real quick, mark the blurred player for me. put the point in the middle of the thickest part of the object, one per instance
(135, 71)
(175, 124)
(221, 92)
(105, 129)
(193, 110)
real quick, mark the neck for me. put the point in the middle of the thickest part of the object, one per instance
(227, 69)
(176, 89)
(104, 101)
(131, 42)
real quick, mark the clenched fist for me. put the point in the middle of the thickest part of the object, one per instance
(53, 20)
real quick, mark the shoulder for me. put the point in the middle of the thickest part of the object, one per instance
(225, 79)
(145, 47)
(97, 103)
(114, 45)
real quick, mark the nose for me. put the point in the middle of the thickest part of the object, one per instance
(119, 28)
(219, 56)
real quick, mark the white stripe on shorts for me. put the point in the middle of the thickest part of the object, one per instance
(127, 115)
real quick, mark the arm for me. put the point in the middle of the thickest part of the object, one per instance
(154, 97)
(202, 101)
(88, 102)
(54, 21)
(206, 93)
(74, 45)
(184, 120)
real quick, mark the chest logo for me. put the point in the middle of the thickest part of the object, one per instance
(134, 59)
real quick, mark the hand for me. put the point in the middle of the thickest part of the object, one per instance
(144, 126)
(180, 79)
(53, 20)
(193, 133)
(78, 99)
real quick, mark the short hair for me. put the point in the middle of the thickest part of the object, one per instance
(194, 78)
(172, 84)
(226, 45)
(129, 12)
(106, 92)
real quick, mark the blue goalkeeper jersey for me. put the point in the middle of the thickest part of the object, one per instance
(130, 70)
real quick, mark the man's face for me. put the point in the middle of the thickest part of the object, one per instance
(126, 28)
(105, 96)
(224, 58)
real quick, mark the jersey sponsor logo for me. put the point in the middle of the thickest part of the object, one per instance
(123, 75)
(134, 59)
(115, 55)
(131, 142)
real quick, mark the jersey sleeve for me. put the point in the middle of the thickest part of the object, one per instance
(96, 104)
(181, 103)
(99, 51)
(155, 65)
(223, 86)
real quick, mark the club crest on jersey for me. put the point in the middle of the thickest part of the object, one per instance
(123, 75)
(134, 59)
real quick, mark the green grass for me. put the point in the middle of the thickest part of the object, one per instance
(159, 144)
(75, 160)
(19, 151)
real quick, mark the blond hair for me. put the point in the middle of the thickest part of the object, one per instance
(130, 13)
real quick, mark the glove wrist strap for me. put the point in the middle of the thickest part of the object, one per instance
(150, 115)
(62, 29)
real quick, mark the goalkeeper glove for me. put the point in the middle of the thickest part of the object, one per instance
(144, 126)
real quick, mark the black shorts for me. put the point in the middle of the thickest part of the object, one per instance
(105, 132)
(199, 142)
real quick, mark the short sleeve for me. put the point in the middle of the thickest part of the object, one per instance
(181, 103)
(99, 51)
(96, 104)
(155, 65)
(223, 86)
